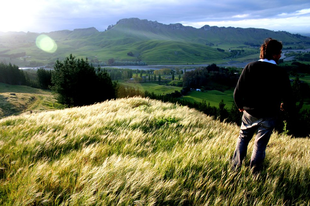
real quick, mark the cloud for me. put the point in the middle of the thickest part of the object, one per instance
(303, 11)
(52, 15)
(242, 16)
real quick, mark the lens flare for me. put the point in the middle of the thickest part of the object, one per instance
(46, 43)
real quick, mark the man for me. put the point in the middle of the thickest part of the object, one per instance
(262, 90)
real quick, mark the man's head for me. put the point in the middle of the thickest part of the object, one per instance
(271, 49)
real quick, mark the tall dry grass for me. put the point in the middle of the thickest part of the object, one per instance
(137, 151)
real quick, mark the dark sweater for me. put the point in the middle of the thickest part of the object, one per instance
(261, 88)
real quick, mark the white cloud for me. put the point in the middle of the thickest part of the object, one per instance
(303, 11)
(52, 15)
(295, 25)
(241, 16)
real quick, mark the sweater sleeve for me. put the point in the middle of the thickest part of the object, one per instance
(240, 89)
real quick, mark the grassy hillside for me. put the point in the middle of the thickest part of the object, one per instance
(16, 99)
(139, 151)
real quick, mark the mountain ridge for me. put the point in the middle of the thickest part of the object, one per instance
(150, 42)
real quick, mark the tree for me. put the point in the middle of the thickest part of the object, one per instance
(44, 78)
(11, 74)
(77, 83)
(222, 112)
(172, 74)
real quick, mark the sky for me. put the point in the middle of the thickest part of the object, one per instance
(53, 15)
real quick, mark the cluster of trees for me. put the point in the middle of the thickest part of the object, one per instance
(160, 76)
(78, 83)
(120, 74)
(298, 68)
(75, 81)
(208, 77)
(11, 74)
(44, 78)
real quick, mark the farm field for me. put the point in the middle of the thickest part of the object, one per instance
(153, 87)
(305, 79)
(214, 97)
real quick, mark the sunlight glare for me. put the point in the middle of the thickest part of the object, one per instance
(16, 15)
(46, 43)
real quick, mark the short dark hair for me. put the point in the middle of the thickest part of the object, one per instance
(269, 48)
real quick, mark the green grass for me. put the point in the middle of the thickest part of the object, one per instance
(139, 151)
(21, 89)
(153, 87)
(17, 99)
(305, 79)
(214, 97)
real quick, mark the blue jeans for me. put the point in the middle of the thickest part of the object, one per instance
(251, 124)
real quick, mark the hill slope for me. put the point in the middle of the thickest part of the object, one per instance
(138, 40)
(17, 99)
(143, 152)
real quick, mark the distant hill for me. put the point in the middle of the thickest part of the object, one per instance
(133, 40)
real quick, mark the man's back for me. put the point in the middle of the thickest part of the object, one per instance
(261, 88)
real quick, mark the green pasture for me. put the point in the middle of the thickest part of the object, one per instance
(214, 97)
(153, 87)
(21, 89)
(305, 79)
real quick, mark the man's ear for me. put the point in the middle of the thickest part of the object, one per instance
(276, 57)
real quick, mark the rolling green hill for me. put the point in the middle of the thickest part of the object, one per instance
(147, 41)
(138, 151)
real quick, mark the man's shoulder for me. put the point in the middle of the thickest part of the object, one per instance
(260, 64)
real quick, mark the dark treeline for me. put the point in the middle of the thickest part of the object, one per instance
(120, 74)
(161, 76)
(11, 74)
(44, 78)
(210, 77)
